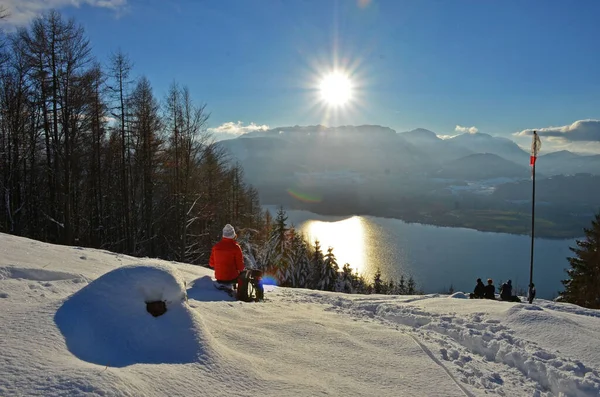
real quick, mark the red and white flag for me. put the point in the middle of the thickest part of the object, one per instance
(536, 145)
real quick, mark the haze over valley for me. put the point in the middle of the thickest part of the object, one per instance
(472, 180)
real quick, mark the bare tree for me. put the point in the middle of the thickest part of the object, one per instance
(57, 53)
(120, 74)
(145, 127)
(87, 158)
(187, 135)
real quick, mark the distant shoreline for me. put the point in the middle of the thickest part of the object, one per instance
(482, 221)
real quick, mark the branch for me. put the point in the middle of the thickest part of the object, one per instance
(53, 220)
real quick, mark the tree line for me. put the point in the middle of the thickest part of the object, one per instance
(90, 156)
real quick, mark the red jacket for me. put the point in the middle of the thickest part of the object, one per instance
(227, 260)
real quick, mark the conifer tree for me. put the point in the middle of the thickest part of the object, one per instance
(346, 279)
(411, 286)
(391, 288)
(360, 284)
(583, 285)
(280, 229)
(401, 287)
(329, 272)
(316, 264)
(378, 284)
(278, 248)
(299, 262)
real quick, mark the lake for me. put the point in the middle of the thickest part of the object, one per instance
(437, 257)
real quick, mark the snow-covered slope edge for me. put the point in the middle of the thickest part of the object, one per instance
(299, 342)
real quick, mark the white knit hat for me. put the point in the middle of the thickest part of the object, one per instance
(229, 231)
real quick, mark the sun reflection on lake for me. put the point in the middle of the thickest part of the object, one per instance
(347, 237)
(436, 257)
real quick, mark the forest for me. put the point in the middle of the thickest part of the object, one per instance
(90, 156)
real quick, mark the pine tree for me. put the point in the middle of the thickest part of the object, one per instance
(411, 286)
(401, 287)
(299, 262)
(276, 252)
(360, 285)
(329, 272)
(583, 285)
(378, 284)
(280, 226)
(391, 288)
(316, 264)
(346, 279)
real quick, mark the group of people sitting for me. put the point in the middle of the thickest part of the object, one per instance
(484, 291)
(489, 291)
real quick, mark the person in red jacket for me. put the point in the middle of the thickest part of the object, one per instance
(226, 257)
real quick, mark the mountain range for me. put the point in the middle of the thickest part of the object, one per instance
(375, 149)
(471, 180)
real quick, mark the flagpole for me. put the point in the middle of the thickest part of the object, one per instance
(532, 215)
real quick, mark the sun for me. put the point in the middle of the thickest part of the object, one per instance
(336, 89)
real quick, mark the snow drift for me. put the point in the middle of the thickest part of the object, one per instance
(107, 323)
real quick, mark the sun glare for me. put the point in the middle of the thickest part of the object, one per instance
(336, 89)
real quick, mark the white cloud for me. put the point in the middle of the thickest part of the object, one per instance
(22, 12)
(233, 129)
(583, 136)
(579, 131)
(553, 145)
(470, 130)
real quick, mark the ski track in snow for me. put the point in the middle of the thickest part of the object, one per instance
(477, 350)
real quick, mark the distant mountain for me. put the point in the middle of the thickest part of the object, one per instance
(484, 143)
(481, 166)
(310, 155)
(259, 156)
(561, 155)
(243, 148)
(568, 163)
(373, 170)
(344, 132)
(282, 154)
(439, 150)
(419, 136)
(585, 164)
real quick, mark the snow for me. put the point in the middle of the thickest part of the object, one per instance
(106, 322)
(74, 323)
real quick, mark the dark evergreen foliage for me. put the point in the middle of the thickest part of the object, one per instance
(582, 287)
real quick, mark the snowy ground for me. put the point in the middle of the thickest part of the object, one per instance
(73, 322)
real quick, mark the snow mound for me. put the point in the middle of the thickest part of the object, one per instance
(8, 272)
(107, 323)
(459, 295)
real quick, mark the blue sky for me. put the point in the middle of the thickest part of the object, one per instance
(500, 66)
